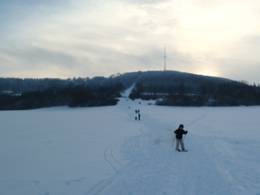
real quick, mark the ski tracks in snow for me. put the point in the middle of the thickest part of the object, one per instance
(115, 164)
(111, 160)
(154, 167)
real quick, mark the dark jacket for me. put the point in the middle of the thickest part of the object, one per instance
(179, 133)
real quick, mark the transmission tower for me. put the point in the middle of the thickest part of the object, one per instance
(164, 60)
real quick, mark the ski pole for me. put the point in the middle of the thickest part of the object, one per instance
(173, 140)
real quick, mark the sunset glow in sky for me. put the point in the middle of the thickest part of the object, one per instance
(66, 38)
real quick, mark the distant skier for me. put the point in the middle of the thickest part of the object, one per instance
(179, 140)
(139, 115)
(136, 114)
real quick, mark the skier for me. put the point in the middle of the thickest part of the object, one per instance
(179, 140)
(136, 114)
(139, 115)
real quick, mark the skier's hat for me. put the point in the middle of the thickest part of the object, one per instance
(181, 126)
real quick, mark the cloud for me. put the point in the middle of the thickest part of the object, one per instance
(142, 2)
(87, 38)
(241, 60)
(30, 57)
(36, 62)
(115, 40)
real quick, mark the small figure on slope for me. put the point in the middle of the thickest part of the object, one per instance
(179, 138)
(137, 114)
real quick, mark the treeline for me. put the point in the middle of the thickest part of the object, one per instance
(17, 85)
(197, 92)
(166, 87)
(73, 96)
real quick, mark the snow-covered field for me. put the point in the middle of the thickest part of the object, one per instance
(87, 151)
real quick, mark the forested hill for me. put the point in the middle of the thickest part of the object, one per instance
(185, 89)
(167, 88)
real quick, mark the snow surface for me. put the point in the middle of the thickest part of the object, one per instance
(87, 151)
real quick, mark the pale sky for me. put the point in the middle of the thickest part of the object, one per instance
(71, 38)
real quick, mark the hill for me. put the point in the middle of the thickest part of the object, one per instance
(185, 89)
(167, 88)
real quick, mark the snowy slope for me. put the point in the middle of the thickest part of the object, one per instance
(104, 151)
(223, 158)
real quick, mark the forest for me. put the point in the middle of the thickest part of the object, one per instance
(169, 88)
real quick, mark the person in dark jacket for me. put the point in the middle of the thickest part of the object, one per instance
(179, 138)
(136, 113)
(139, 115)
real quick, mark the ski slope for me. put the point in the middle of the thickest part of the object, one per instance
(104, 151)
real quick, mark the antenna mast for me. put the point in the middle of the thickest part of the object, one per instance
(164, 60)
